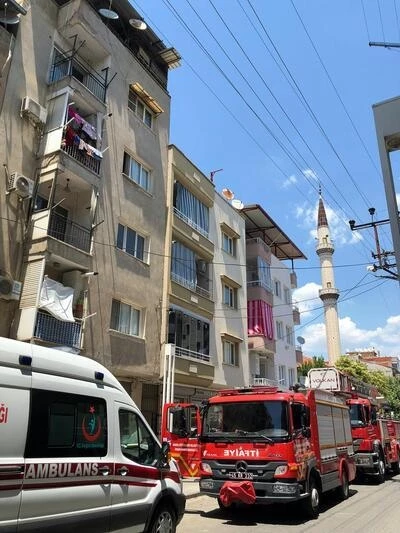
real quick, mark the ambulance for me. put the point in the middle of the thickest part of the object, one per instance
(76, 454)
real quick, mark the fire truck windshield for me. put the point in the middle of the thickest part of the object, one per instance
(267, 420)
(357, 416)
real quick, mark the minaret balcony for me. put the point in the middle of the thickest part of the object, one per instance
(331, 292)
(324, 248)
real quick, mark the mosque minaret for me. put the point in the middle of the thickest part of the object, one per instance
(328, 293)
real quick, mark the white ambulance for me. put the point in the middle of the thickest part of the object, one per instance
(76, 454)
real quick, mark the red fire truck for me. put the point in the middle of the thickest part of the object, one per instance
(376, 439)
(264, 445)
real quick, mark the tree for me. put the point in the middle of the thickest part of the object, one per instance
(308, 363)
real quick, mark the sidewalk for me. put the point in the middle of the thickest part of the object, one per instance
(191, 487)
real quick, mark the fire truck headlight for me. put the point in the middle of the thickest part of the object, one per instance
(281, 470)
(206, 468)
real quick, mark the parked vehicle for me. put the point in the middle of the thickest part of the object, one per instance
(376, 439)
(263, 445)
(76, 453)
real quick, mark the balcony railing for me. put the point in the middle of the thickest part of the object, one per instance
(69, 232)
(183, 352)
(206, 293)
(86, 160)
(190, 223)
(72, 67)
(49, 329)
(260, 283)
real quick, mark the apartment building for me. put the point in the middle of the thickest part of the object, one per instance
(273, 353)
(204, 284)
(84, 134)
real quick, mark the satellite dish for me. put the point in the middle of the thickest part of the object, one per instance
(300, 340)
(228, 194)
(237, 204)
(109, 13)
(138, 24)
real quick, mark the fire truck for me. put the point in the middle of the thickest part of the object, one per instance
(376, 439)
(263, 445)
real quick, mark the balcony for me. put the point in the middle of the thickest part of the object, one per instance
(183, 352)
(82, 156)
(205, 293)
(257, 247)
(71, 67)
(69, 232)
(265, 382)
(49, 329)
(262, 345)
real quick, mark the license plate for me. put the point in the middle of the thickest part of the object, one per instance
(240, 475)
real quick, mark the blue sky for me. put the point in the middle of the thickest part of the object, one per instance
(282, 101)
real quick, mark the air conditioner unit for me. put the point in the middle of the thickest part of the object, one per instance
(9, 289)
(22, 185)
(33, 110)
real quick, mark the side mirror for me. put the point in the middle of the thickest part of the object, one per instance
(163, 460)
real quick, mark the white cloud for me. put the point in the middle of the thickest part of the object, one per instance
(292, 180)
(339, 230)
(308, 173)
(385, 338)
(307, 298)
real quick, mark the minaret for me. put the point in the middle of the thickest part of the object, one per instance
(328, 294)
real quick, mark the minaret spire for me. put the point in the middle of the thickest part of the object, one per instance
(328, 293)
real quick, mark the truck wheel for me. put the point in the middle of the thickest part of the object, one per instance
(163, 521)
(343, 489)
(381, 470)
(311, 503)
(396, 467)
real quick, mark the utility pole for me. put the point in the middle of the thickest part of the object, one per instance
(380, 255)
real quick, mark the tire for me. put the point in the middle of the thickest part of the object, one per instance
(343, 491)
(311, 503)
(163, 521)
(381, 470)
(396, 467)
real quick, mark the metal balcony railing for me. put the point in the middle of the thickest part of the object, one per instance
(206, 293)
(86, 160)
(69, 232)
(68, 66)
(190, 223)
(184, 352)
(49, 329)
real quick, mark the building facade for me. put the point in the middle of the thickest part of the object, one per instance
(84, 130)
(204, 284)
(272, 317)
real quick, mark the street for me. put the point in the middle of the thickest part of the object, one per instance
(370, 508)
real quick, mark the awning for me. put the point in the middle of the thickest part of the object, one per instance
(260, 320)
(146, 98)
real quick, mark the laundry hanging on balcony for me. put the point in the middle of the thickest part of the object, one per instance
(82, 124)
(71, 138)
(57, 299)
(260, 321)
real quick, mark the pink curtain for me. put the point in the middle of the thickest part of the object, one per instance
(259, 319)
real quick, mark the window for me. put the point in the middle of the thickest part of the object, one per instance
(279, 329)
(287, 296)
(190, 209)
(264, 273)
(228, 244)
(136, 105)
(277, 288)
(136, 172)
(66, 425)
(229, 296)
(183, 265)
(189, 333)
(230, 353)
(292, 376)
(137, 443)
(282, 374)
(289, 335)
(125, 318)
(131, 242)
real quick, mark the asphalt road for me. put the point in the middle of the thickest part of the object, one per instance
(370, 509)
